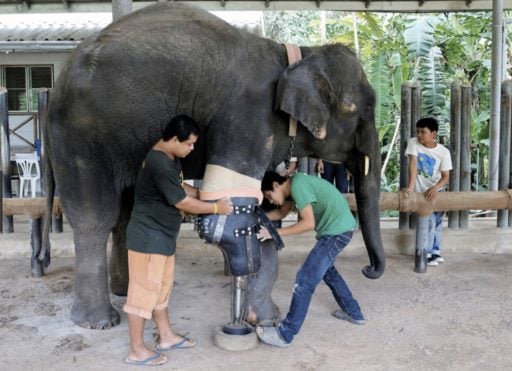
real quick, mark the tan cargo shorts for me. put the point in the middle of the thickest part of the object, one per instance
(151, 280)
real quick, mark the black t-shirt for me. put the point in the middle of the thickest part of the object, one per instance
(155, 221)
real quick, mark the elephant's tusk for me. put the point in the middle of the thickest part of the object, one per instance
(319, 133)
(366, 165)
(347, 106)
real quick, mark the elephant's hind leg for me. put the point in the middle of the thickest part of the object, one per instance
(118, 265)
(91, 305)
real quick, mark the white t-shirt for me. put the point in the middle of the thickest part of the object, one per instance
(431, 162)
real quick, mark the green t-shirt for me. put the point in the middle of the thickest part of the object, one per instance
(155, 221)
(332, 214)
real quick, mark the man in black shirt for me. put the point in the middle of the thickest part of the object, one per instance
(160, 196)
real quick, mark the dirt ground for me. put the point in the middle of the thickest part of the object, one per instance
(457, 316)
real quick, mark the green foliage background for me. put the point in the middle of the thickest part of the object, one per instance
(433, 49)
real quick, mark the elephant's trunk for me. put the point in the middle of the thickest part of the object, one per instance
(367, 188)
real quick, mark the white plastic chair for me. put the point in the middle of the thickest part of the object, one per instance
(29, 172)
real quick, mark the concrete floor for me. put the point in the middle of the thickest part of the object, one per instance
(455, 316)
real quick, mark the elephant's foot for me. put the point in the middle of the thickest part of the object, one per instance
(94, 318)
(269, 314)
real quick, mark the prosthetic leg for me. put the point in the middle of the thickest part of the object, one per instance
(236, 237)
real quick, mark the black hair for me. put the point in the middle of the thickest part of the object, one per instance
(269, 179)
(428, 122)
(181, 126)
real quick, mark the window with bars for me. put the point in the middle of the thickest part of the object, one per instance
(22, 83)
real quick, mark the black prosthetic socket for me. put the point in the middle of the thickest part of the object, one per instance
(235, 235)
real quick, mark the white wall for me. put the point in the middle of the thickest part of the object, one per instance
(55, 59)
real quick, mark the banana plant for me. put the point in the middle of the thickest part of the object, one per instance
(426, 58)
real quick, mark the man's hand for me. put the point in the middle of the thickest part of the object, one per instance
(224, 206)
(431, 194)
(320, 167)
(264, 234)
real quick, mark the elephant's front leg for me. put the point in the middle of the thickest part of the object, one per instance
(260, 307)
(91, 304)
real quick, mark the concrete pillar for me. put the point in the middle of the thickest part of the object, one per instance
(121, 8)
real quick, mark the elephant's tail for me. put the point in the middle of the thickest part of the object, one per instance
(44, 254)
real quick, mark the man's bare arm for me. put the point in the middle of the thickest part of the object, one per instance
(281, 212)
(306, 223)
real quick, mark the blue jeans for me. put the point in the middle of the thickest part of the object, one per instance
(319, 265)
(435, 226)
(336, 173)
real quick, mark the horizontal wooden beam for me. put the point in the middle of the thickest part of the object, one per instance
(401, 201)
(33, 207)
(415, 202)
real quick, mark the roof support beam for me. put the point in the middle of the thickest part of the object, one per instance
(424, 6)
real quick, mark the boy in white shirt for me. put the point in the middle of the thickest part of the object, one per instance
(429, 171)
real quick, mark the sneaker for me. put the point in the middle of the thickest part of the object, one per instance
(271, 336)
(437, 258)
(432, 262)
(341, 314)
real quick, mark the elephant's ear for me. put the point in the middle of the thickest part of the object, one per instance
(305, 93)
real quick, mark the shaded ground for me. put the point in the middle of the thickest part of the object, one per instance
(455, 316)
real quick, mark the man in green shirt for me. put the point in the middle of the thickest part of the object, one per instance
(160, 197)
(323, 209)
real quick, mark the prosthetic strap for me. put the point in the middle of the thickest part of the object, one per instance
(235, 234)
(267, 223)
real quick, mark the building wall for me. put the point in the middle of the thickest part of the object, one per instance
(57, 60)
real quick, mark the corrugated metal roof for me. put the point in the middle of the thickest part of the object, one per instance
(58, 32)
(31, 27)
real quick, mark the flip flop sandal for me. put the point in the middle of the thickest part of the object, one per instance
(146, 362)
(179, 345)
(270, 335)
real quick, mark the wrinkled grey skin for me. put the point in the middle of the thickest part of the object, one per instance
(120, 89)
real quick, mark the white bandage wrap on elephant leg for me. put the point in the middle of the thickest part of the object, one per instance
(220, 182)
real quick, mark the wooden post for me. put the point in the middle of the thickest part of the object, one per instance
(36, 243)
(455, 102)
(5, 156)
(465, 150)
(415, 116)
(1, 203)
(405, 130)
(422, 243)
(504, 159)
(44, 99)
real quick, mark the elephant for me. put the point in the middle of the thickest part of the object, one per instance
(119, 89)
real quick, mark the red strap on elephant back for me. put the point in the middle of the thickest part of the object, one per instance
(294, 55)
